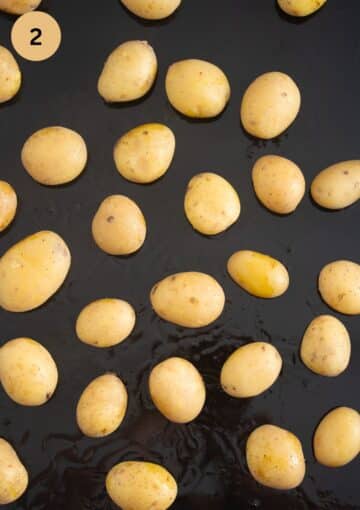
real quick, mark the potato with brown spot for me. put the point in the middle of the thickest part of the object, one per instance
(14, 478)
(19, 6)
(8, 204)
(339, 286)
(300, 8)
(152, 9)
(10, 75)
(338, 186)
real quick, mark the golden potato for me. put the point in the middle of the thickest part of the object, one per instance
(14, 478)
(18, 6)
(145, 153)
(10, 74)
(337, 186)
(339, 286)
(141, 486)
(119, 227)
(129, 72)
(197, 88)
(32, 271)
(28, 373)
(258, 274)
(300, 8)
(270, 104)
(211, 204)
(275, 457)
(8, 204)
(279, 184)
(189, 299)
(337, 437)
(152, 9)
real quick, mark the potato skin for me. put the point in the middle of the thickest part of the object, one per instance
(144, 154)
(141, 485)
(8, 204)
(339, 286)
(258, 274)
(19, 6)
(14, 478)
(279, 183)
(129, 72)
(211, 204)
(300, 8)
(275, 457)
(10, 75)
(188, 299)
(28, 373)
(337, 186)
(270, 104)
(32, 270)
(337, 437)
(152, 10)
(197, 88)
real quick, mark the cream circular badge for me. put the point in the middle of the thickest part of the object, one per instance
(36, 36)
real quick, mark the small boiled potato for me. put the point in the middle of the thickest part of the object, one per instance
(105, 322)
(19, 6)
(251, 370)
(152, 9)
(10, 74)
(138, 485)
(32, 270)
(337, 437)
(145, 153)
(275, 457)
(177, 390)
(339, 286)
(337, 186)
(102, 406)
(54, 155)
(326, 346)
(211, 204)
(8, 204)
(279, 184)
(300, 8)
(129, 72)
(189, 299)
(119, 226)
(197, 88)
(14, 478)
(270, 104)
(28, 373)
(258, 274)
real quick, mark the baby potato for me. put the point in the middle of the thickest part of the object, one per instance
(258, 274)
(300, 8)
(102, 406)
(14, 478)
(197, 88)
(275, 457)
(279, 184)
(129, 72)
(28, 373)
(145, 153)
(8, 204)
(211, 204)
(326, 346)
(10, 74)
(189, 299)
(105, 322)
(339, 286)
(119, 226)
(337, 186)
(270, 104)
(18, 6)
(32, 271)
(251, 370)
(153, 10)
(177, 390)
(337, 437)
(141, 486)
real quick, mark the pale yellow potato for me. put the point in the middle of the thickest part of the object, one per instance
(337, 437)
(197, 88)
(326, 346)
(279, 183)
(28, 372)
(300, 8)
(8, 204)
(10, 75)
(19, 6)
(258, 274)
(189, 299)
(152, 9)
(251, 370)
(119, 226)
(129, 72)
(211, 204)
(14, 477)
(144, 154)
(102, 406)
(275, 457)
(337, 186)
(177, 390)
(32, 270)
(136, 485)
(105, 322)
(339, 286)
(270, 104)
(54, 155)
